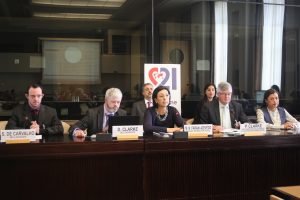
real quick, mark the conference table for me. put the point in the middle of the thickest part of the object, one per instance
(217, 167)
(287, 192)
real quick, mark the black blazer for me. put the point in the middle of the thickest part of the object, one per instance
(138, 109)
(93, 121)
(47, 119)
(153, 124)
(210, 113)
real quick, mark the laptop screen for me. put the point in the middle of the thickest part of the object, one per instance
(260, 96)
(122, 121)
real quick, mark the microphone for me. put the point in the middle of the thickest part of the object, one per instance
(232, 113)
(35, 115)
(27, 123)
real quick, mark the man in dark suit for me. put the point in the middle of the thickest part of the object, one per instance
(222, 112)
(95, 121)
(34, 115)
(139, 107)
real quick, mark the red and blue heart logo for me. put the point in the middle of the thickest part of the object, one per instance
(158, 77)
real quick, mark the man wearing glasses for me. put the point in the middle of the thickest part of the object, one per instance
(96, 119)
(34, 115)
(222, 112)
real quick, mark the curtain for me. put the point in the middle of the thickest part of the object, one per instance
(221, 42)
(272, 43)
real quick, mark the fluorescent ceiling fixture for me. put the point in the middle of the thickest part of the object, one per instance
(87, 3)
(73, 15)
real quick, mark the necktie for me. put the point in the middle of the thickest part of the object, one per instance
(148, 104)
(226, 123)
(107, 116)
(223, 120)
(35, 114)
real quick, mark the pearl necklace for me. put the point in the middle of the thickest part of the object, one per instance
(164, 116)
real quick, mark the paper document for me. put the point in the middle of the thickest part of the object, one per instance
(230, 130)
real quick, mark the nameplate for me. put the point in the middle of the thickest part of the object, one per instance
(18, 141)
(198, 129)
(127, 130)
(254, 133)
(127, 136)
(192, 135)
(253, 129)
(18, 135)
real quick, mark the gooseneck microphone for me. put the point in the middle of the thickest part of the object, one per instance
(27, 122)
(35, 115)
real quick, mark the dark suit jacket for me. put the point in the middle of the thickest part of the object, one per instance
(93, 121)
(211, 114)
(138, 109)
(47, 119)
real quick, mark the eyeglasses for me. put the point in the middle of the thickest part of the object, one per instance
(225, 93)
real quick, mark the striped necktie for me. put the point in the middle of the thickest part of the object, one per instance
(107, 116)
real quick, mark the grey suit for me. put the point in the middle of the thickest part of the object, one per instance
(210, 113)
(93, 120)
(47, 119)
(138, 109)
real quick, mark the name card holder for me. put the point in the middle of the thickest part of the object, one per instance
(17, 141)
(131, 132)
(258, 129)
(18, 136)
(254, 133)
(198, 135)
(198, 130)
(128, 136)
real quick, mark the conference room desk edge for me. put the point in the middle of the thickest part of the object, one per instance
(222, 143)
(69, 148)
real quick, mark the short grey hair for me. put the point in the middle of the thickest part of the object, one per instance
(113, 92)
(224, 86)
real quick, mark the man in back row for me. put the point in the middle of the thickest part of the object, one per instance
(34, 115)
(222, 112)
(96, 119)
(139, 107)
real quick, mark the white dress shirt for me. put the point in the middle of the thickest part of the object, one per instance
(147, 103)
(225, 116)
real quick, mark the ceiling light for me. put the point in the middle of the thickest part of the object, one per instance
(87, 3)
(73, 15)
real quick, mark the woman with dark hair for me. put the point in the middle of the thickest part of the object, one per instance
(273, 115)
(161, 117)
(209, 95)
